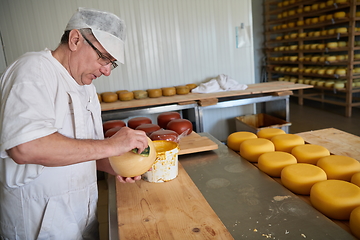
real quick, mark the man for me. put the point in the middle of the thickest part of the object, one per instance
(51, 132)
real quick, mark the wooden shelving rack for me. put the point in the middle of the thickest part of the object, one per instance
(297, 34)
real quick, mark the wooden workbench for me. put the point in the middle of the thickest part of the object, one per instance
(253, 89)
(219, 195)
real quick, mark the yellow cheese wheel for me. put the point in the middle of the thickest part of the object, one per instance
(272, 163)
(339, 15)
(354, 222)
(168, 91)
(335, 198)
(339, 167)
(154, 93)
(355, 179)
(120, 91)
(235, 139)
(140, 94)
(300, 177)
(182, 90)
(126, 96)
(99, 97)
(286, 142)
(191, 86)
(251, 149)
(309, 153)
(268, 133)
(332, 45)
(109, 97)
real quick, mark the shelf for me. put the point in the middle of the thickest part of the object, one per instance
(289, 38)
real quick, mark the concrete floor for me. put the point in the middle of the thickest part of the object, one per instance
(311, 116)
(315, 115)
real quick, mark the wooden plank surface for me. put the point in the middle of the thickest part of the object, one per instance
(195, 143)
(258, 88)
(336, 141)
(170, 210)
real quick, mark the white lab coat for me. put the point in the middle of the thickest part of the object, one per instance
(38, 98)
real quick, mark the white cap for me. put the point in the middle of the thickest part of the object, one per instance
(107, 28)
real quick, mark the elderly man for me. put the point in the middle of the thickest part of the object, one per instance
(51, 132)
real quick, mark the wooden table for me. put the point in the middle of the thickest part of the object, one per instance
(219, 195)
(270, 92)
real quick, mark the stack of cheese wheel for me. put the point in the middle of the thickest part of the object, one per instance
(335, 198)
(300, 177)
(251, 149)
(268, 133)
(235, 139)
(354, 222)
(339, 167)
(286, 142)
(272, 163)
(309, 153)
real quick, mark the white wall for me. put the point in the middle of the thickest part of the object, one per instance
(169, 42)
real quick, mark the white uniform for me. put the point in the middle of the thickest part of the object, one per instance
(38, 98)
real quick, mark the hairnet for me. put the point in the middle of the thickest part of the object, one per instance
(107, 28)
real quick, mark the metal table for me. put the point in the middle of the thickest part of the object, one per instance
(249, 203)
(277, 106)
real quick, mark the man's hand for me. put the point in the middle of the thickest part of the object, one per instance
(128, 179)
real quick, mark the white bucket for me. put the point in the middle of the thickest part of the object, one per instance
(165, 167)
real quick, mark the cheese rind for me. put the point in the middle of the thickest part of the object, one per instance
(286, 142)
(235, 139)
(354, 222)
(272, 163)
(251, 149)
(335, 198)
(309, 153)
(355, 179)
(339, 167)
(300, 177)
(268, 133)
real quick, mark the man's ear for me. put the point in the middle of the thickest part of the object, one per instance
(74, 39)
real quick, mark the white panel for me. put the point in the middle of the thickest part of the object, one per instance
(169, 42)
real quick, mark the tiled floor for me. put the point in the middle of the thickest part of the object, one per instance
(311, 116)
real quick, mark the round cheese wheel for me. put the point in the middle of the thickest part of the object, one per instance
(354, 222)
(181, 126)
(167, 135)
(309, 153)
(109, 97)
(164, 118)
(154, 93)
(235, 139)
(251, 149)
(286, 142)
(191, 86)
(339, 15)
(132, 164)
(339, 167)
(111, 131)
(268, 133)
(168, 91)
(355, 179)
(300, 177)
(148, 128)
(113, 123)
(335, 198)
(120, 91)
(181, 90)
(126, 96)
(272, 163)
(140, 94)
(137, 121)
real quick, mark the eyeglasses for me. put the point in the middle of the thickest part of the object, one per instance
(103, 60)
